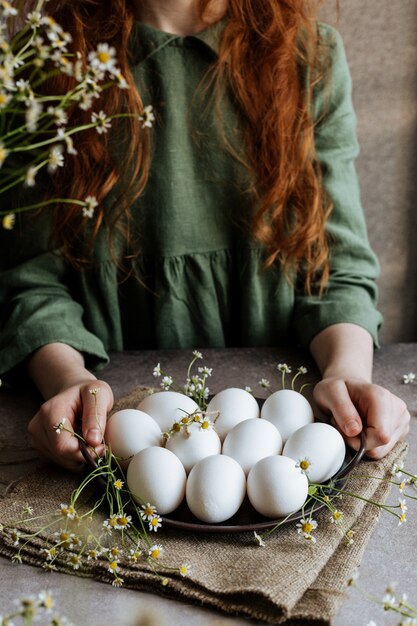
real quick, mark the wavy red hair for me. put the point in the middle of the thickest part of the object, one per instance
(267, 49)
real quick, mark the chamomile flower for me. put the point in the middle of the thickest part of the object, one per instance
(265, 383)
(157, 370)
(15, 536)
(50, 553)
(93, 554)
(155, 551)
(68, 511)
(147, 511)
(259, 539)
(134, 555)
(103, 123)
(185, 569)
(154, 523)
(304, 465)
(34, 19)
(402, 519)
(117, 582)
(8, 221)
(104, 58)
(60, 427)
(118, 484)
(409, 378)
(402, 504)
(396, 469)
(284, 368)
(4, 99)
(113, 567)
(305, 527)
(55, 159)
(60, 116)
(166, 382)
(336, 516)
(6, 9)
(147, 118)
(89, 206)
(32, 114)
(74, 560)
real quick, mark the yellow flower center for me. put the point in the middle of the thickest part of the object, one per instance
(103, 57)
(148, 510)
(307, 527)
(122, 521)
(3, 99)
(337, 515)
(205, 425)
(113, 565)
(155, 553)
(304, 464)
(154, 521)
(176, 428)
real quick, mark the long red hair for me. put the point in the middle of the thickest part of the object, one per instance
(268, 48)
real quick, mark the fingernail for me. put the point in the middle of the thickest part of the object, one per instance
(352, 428)
(93, 436)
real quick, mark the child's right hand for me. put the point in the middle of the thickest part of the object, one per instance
(82, 408)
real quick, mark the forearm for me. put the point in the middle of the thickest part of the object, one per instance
(343, 351)
(55, 367)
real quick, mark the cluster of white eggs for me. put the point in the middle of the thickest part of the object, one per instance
(173, 451)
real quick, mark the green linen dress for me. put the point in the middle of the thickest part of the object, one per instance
(201, 282)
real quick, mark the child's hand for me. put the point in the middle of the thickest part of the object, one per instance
(82, 408)
(356, 403)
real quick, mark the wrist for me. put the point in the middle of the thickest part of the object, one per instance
(56, 367)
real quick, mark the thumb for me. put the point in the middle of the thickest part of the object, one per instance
(97, 400)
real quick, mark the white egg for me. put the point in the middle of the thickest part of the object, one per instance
(216, 488)
(156, 475)
(128, 431)
(276, 487)
(233, 406)
(288, 410)
(322, 446)
(166, 407)
(193, 443)
(252, 440)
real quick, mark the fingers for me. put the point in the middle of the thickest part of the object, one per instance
(53, 429)
(53, 443)
(97, 400)
(351, 403)
(388, 421)
(333, 398)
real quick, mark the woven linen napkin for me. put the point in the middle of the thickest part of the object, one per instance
(290, 581)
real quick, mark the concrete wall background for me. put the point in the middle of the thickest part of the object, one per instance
(381, 45)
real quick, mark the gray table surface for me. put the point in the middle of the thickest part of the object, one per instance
(389, 555)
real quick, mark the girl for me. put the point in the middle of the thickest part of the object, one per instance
(234, 220)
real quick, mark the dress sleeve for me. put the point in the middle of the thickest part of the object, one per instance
(37, 305)
(351, 293)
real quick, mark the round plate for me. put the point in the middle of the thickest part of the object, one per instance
(247, 518)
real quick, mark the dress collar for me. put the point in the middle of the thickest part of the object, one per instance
(146, 40)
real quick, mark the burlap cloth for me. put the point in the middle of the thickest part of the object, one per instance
(290, 581)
